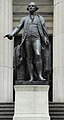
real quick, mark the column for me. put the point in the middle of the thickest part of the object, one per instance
(58, 51)
(6, 52)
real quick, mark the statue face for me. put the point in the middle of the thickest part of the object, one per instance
(32, 8)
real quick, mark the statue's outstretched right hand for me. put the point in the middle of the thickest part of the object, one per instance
(8, 36)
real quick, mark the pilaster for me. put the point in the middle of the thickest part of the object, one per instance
(6, 52)
(58, 51)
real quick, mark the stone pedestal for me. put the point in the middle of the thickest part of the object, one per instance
(31, 102)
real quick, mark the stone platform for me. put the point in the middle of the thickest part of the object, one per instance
(38, 82)
(31, 102)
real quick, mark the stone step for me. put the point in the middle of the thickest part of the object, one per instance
(6, 113)
(7, 105)
(57, 117)
(56, 111)
(7, 117)
(6, 109)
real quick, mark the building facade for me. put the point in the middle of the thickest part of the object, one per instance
(11, 11)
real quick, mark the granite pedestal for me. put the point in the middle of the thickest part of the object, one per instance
(31, 102)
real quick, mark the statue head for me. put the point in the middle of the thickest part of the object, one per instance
(32, 7)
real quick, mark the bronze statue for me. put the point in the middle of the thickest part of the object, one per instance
(35, 33)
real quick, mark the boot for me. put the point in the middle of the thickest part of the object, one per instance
(41, 78)
(39, 70)
(30, 69)
(31, 78)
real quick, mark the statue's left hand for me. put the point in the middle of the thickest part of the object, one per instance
(46, 41)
